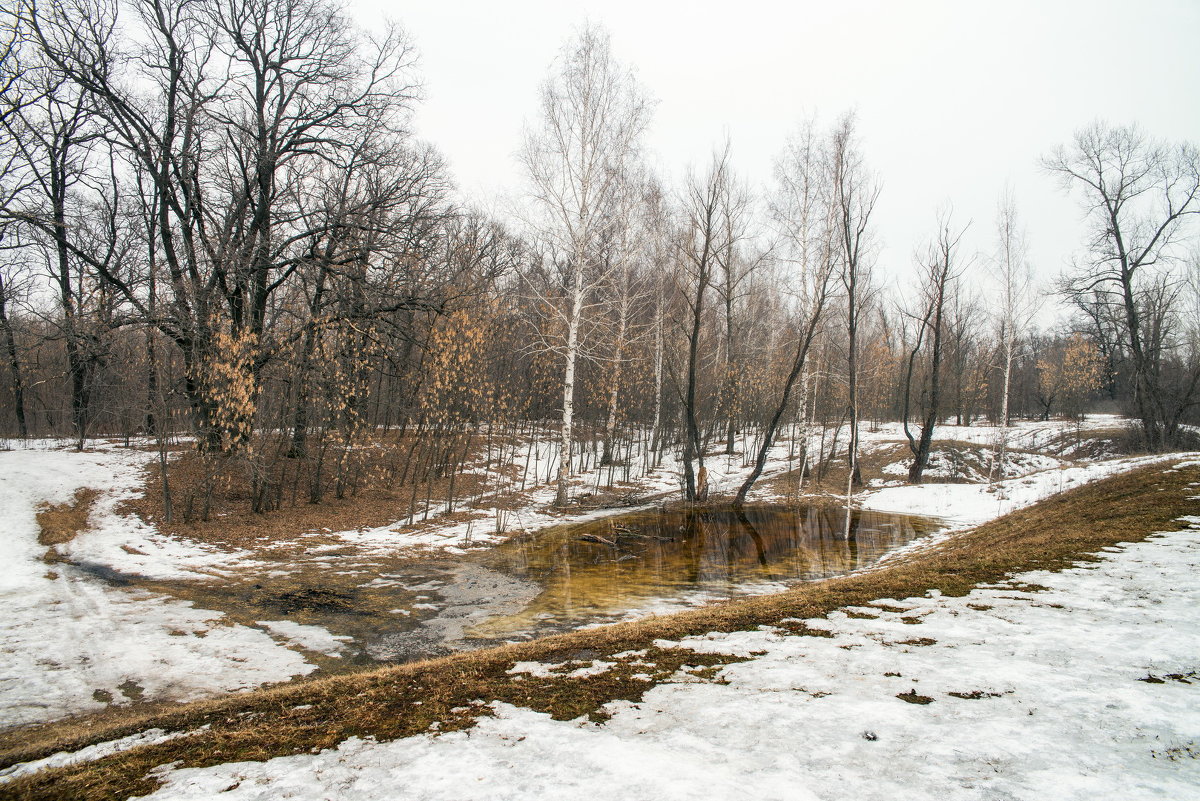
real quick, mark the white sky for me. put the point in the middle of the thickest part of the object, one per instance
(953, 98)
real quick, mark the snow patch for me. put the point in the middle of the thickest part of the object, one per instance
(310, 638)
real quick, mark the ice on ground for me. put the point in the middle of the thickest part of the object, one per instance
(1085, 690)
(71, 642)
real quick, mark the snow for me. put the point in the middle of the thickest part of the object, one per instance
(1023, 435)
(566, 670)
(725, 475)
(310, 638)
(1053, 709)
(946, 463)
(964, 505)
(89, 754)
(536, 461)
(1053, 702)
(71, 642)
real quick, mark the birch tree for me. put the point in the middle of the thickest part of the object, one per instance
(629, 252)
(1012, 271)
(591, 120)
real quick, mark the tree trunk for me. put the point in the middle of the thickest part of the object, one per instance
(610, 423)
(798, 363)
(14, 365)
(921, 457)
(569, 357)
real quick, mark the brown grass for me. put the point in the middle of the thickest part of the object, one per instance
(233, 524)
(405, 700)
(59, 524)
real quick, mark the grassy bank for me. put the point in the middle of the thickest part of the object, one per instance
(445, 693)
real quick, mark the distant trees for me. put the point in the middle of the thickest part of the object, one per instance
(1068, 373)
(215, 223)
(1138, 194)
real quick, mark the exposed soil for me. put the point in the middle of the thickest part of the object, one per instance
(59, 524)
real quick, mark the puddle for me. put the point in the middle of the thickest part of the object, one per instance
(398, 609)
(665, 560)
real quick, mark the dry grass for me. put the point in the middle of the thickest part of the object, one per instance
(59, 524)
(405, 700)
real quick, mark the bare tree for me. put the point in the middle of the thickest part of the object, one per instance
(1138, 194)
(941, 269)
(225, 111)
(1012, 271)
(737, 267)
(710, 204)
(805, 218)
(54, 131)
(10, 291)
(855, 192)
(592, 117)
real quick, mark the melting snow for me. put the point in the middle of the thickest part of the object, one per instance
(70, 642)
(1090, 689)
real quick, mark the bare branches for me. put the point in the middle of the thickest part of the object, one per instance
(577, 157)
(1139, 195)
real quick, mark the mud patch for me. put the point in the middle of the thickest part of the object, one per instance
(1181, 678)
(312, 599)
(911, 697)
(131, 690)
(58, 524)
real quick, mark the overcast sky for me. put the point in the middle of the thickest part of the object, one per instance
(954, 99)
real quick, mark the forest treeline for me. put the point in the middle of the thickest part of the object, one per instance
(218, 226)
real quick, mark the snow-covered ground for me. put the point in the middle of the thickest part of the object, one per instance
(73, 640)
(965, 505)
(1085, 690)
(70, 642)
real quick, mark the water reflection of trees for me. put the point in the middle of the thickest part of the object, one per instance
(662, 554)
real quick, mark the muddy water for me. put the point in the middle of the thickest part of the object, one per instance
(397, 609)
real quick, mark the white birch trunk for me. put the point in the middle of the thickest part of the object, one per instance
(569, 357)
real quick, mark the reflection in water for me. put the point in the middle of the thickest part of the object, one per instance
(601, 570)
